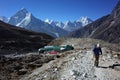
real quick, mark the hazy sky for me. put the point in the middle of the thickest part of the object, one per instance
(60, 10)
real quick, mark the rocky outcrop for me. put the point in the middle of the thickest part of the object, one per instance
(109, 30)
(13, 67)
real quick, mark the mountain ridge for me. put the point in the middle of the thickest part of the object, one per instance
(105, 28)
(26, 20)
(19, 19)
(70, 26)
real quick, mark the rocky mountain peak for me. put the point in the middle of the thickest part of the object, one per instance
(84, 20)
(18, 17)
(24, 10)
(68, 22)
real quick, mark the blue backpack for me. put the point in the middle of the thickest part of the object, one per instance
(96, 50)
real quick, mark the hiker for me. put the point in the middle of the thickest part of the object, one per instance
(97, 51)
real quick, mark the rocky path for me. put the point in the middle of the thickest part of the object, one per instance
(77, 66)
(81, 68)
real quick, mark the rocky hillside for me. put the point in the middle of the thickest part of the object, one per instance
(76, 64)
(106, 28)
(15, 40)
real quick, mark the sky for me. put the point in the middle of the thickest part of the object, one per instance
(59, 10)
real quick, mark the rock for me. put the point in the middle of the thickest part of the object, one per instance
(22, 72)
(31, 65)
(109, 56)
(85, 75)
(111, 67)
(45, 76)
(18, 67)
(74, 76)
(38, 65)
(117, 68)
(37, 79)
(80, 51)
(55, 69)
(2, 59)
(71, 73)
(95, 76)
(115, 56)
(73, 58)
(58, 56)
(118, 56)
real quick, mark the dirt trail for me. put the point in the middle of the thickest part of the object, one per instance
(77, 66)
(81, 68)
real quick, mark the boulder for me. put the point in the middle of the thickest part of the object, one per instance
(22, 71)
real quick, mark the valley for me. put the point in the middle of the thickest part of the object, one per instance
(24, 37)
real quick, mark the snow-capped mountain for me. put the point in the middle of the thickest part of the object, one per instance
(25, 19)
(51, 22)
(84, 21)
(55, 23)
(70, 26)
(18, 17)
(4, 19)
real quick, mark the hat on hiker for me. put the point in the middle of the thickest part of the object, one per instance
(98, 45)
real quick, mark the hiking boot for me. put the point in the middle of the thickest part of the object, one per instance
(96, 65)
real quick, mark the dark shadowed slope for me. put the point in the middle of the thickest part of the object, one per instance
(14, 39)
(106, 28)
(109, 30)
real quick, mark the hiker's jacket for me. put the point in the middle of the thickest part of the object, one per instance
(97, 50)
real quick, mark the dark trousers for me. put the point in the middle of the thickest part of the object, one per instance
(96, 60)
